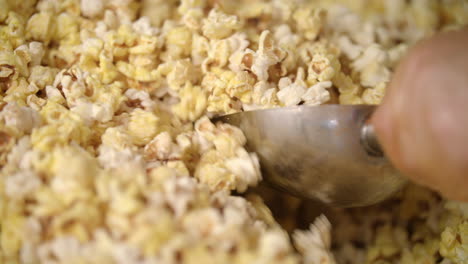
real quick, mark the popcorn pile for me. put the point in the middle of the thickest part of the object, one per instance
(107, 153)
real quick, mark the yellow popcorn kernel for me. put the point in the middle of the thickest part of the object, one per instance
(309, 21)
(200, 49)
(12, 229)
(63, 126)
(68, 29)
(92, 8)
(374, 95)
(219, 25)
(126, 36)
(177, 42)
(143, 126)
(22, 60)
(4, 9)
(181, 72)
(42, 76)
(179, 167)
(14, 33)
(93, 47)
(240, 86)
(24, 8)
(254, 9)
(193, 18)
(147, 61)
(211, 172)
(426, 14)
(41, 27)
(8, 66)
(267, 55)
(35, 102)
(151, 235)
(455, 12)
(145, 45)
(108, 72)
(117, 138)
(160, 148)
(158, 10)
(138, 73)
(19, 90)
(218, 54)
(72, 164)
(322, 68)
(192, 103)
(48, 201)
(187, 5)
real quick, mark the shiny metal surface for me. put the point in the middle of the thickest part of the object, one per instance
(323, 152)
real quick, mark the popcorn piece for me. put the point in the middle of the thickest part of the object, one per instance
(315, 243)
(22, 184)
(246, 169)
(266, 56)
(219, 25)
(309, 21)
(291, 93)
(192, 103)
(42, 76)
(372, 66)
(160, 147)
(317, 94)
(176, 42)
(323, 67)
(41, 27)
(140, 97)
(92, 8)
(116, 169)
(374, 95)
(36, 50)
(54, 94)
(4, 9)
(143, 27)
(143, 126)
(20, 118)
(193, 18)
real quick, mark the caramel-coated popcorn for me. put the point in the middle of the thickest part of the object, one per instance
(108, 155)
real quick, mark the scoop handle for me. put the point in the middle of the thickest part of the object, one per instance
(369, 140)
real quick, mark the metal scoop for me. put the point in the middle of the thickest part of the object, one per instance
(326, 152)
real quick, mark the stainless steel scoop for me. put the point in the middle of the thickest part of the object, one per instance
(326, 152)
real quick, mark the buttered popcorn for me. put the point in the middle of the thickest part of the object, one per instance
(107, 154)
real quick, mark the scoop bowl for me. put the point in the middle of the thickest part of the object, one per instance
(327, 153)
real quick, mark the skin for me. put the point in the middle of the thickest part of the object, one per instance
(422, 123)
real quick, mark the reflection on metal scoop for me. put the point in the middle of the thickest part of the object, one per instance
(325, 152)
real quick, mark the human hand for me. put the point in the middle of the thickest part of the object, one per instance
(422, 123)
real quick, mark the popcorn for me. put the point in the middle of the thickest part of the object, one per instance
(219, 25)
(90, 8)
(317, 94)
(192, 103)
(309, 21)
(315, 243)
(42, 76)
(322, 67)
(21, 185)
(176, 42)
(4, 8)
(291, 93)
(142, 126)
(108, 155)
(266, 56)
(371, 65)
(41, 27)
(20, 118)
